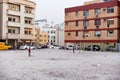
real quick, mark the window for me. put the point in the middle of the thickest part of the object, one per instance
(110, 33)
(13, 19)
(76, 13)
(85, 23)
(13, 31)
(86, 13)
(29, 32)
(26, 21)
(76, 33)
(9, 19)
(9, 31)
(97, 11)
(69, 34)
(66, 14)
(66, 23)
(76, 23)
(110, 10)
(25, 32)
(97, 33)
(110, 21)
(97, 22)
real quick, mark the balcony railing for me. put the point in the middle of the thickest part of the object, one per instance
(29, 15)
(29, 25)
(13, 36)
(28, 36)
(13, 12)
(16, 24)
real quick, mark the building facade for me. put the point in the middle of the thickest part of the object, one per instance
(43, 38)
(17, 22)
(96, 22)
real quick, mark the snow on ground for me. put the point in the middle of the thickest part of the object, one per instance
(54, 64)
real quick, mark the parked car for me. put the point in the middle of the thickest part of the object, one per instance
(69, 47)
(54, 47)
(27, 47)
(62, 47)
(39, 47)
(95, 48)
(3, 46)
(111, 48)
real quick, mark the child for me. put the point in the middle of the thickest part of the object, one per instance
(29, 52)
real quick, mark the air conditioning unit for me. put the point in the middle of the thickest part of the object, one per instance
(104, 20)
(97, 26)
(104, 9)
(108, 25)
(85, 17)
(85, 27)
(97, 15)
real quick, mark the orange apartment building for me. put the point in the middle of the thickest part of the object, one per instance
(96, 22)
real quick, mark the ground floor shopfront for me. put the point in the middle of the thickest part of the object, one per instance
(103, 45)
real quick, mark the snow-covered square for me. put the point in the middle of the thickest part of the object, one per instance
(55, 64)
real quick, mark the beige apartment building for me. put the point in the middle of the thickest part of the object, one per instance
(43, 38)
(95, 22)
(17, 22)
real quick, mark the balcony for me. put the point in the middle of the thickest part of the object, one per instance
(13, 36)
(28, 37)
(29, 25)
(16, 24)
(29, 15)
(17, 13)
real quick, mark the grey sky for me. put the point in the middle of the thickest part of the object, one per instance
(53, 10)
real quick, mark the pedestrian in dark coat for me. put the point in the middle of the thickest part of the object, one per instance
(73, 49)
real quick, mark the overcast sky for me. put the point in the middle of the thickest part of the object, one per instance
(53, 10)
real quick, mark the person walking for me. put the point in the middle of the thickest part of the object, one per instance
(73, 49)
(29, 52)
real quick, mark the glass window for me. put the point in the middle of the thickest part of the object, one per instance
(13, 19)
(85, 23)
(66, 23)
(76, 33)
(110, 10)
(76, 13)
(97, 22)
(9, 19)
(13, 31)
(29, 32)
(86, 13)
(110, 21)
(76, 23)
(9, 30)
(97, 11)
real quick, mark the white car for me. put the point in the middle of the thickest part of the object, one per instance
(27, 47)
(69, 47)
(54, 47)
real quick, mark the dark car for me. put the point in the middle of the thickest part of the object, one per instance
(95, 48)
(111, 48)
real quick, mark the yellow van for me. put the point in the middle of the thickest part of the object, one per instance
(4, 47)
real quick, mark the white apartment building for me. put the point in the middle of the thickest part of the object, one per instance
(51, 34)
(59, 36)
(17, 19)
